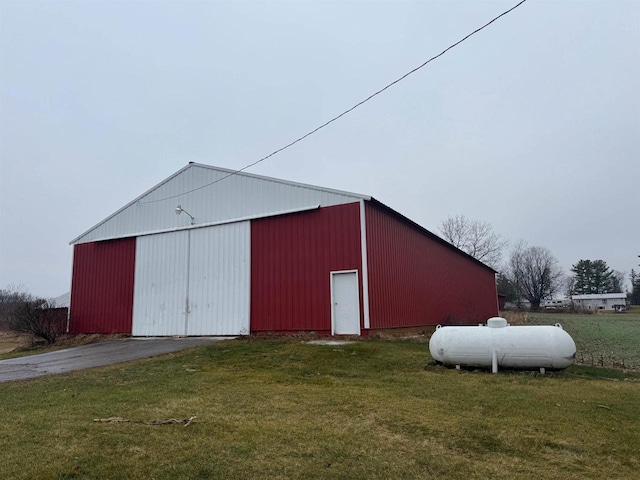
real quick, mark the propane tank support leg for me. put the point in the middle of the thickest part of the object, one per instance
(494, 361)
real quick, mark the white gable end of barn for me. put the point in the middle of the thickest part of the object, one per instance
(239, 196)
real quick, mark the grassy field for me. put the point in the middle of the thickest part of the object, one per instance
(280, 409)
(610, 340)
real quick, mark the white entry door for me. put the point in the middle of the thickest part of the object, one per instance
(345, 303)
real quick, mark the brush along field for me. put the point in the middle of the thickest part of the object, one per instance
(13, 344)
(12, 341)
(285, 409)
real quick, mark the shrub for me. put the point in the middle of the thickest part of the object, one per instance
(40, 318)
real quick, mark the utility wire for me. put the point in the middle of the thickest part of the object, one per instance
(346, 111)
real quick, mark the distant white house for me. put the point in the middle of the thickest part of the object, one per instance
(600, 301)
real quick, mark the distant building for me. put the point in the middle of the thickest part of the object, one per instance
(556, 303)
(600, 301)
(62, 301)
(502, 300)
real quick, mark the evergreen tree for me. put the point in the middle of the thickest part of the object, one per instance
(635, 287)
(593, 277)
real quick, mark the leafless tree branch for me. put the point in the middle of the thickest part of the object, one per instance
(474, 237)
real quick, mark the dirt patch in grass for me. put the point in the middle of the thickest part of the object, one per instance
(406, 332)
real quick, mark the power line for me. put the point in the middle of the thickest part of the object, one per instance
(346, 111)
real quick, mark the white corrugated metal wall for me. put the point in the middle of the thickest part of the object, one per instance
(237, 197)
(194, 282)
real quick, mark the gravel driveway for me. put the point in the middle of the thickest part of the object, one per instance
(95, 355)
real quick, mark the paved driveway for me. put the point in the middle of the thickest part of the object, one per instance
(95, 355)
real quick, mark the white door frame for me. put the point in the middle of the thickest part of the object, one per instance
(333, 321)
(365, 267)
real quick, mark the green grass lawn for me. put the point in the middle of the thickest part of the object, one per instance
(603, 339)
(279, 409)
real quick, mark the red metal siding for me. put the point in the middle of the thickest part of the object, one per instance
(291, 257)
(102, 287)
(415, 280)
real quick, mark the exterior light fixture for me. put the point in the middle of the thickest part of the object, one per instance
(179, 210)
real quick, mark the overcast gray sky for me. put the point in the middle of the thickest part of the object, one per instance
(533, 125)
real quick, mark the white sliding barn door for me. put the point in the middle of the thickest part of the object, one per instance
(193, 282)
(219, 280)
(160, 287)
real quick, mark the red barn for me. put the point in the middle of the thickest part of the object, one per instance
(252, 254)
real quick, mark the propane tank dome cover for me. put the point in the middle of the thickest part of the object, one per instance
(496, 322)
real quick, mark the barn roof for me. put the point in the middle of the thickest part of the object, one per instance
(598, 296)
(241, 196)
(62, 300)
(201, 192)
(426, 232)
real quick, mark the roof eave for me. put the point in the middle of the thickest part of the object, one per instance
(75, 240)
(429, 234)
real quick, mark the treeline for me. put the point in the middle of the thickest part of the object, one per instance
(532, 273)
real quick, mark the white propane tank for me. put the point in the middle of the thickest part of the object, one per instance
(499, 344)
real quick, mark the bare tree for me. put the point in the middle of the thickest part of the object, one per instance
(535, 273)
(618, 281)
(474, 237)
(11, 298)
(40, 318)
(569, 285)
(23, 312)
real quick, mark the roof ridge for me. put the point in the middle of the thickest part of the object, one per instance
(280, 180)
